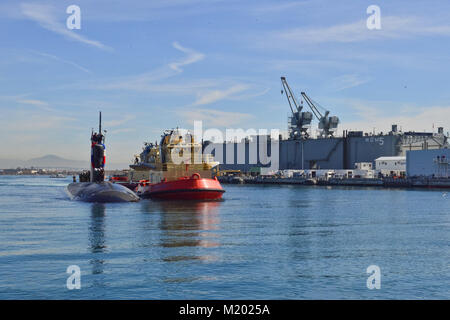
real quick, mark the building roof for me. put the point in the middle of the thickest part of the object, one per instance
(390, 158)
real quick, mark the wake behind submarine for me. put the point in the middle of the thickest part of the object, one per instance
(93, 187)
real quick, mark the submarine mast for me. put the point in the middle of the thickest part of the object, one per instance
(98, 154)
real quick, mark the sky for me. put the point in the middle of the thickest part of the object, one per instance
(151, 65)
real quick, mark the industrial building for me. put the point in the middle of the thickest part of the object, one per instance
(300, 151)
(428, 163)
(391, 166)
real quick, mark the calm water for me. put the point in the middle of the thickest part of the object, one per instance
(261, 242)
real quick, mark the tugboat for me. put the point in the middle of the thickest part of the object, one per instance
(176, 169)
(123, 179)
(92, 186)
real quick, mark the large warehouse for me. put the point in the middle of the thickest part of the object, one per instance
(428, 163)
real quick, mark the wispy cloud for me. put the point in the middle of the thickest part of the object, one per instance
(191, 57)
(118, 122)
(205, 89)
(43, 105)
(45, 16)
(216, 95)
(147, 82)
(43, 54)
(250, 92)
(392, 27)
(347, 81)
(33, 102)
(214, 118)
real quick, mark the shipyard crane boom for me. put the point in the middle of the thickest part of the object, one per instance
(290, 95)
(312, 106)
(327, 124)
(299, 121)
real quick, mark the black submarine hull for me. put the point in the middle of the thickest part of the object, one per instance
(104, 191)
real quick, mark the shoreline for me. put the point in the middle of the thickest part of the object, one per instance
(405, 183)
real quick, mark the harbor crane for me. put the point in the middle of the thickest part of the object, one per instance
(327, 125)
(300, 121)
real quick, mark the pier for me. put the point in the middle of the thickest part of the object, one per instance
(385, 182)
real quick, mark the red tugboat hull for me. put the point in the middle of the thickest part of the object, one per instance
(185, 188)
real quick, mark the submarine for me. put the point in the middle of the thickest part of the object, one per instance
(92, 186)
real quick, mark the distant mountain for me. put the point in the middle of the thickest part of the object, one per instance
(52, 161)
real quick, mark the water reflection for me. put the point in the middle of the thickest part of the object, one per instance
(186, 227)
(300, 216)
(314, 235)
(97, 244)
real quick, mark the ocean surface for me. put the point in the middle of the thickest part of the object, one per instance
(261, 242)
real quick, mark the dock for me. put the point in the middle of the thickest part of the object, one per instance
(385, 182)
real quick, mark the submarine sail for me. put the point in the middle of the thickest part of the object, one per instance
(96, 189)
